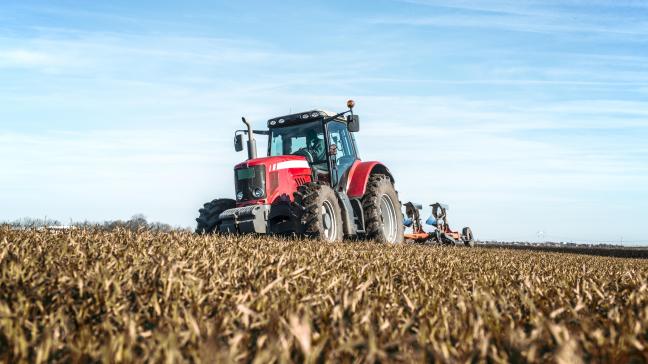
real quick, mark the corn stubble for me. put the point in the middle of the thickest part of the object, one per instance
(88, 295)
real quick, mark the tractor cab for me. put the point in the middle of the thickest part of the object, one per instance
(323, 138)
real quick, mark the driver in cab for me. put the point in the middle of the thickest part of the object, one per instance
(317, 149)
(315, 146)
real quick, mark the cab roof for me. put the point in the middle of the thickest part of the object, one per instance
(301, 117)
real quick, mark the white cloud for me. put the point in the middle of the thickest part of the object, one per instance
(31, 58)
(528, 16)
(100, 175)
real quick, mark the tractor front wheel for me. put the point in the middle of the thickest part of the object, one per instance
(208, 218)
(322, 215)
(382, 210)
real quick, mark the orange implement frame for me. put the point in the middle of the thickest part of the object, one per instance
(442, 234)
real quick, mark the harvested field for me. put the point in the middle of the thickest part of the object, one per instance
(121, 296)
(604, 251)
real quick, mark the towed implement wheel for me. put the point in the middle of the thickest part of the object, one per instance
(382, 209)
(208, 218)
(447, 239)
(467, 237)
(322, 216)
(442, 238)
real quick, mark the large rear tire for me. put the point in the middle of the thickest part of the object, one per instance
(382, 210)
(322, 215)
(207, 221)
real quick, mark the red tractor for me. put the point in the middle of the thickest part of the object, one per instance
(312, 183)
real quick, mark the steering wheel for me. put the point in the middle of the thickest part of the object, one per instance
(306, 154)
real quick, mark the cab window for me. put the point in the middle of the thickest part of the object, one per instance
(291, 139)
(339, 135)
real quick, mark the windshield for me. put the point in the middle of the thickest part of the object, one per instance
(298, 138)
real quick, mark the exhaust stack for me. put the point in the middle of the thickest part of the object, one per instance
(251, 143)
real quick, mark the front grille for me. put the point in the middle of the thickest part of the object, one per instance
(244, 212)
(247, 179)
(300, 181)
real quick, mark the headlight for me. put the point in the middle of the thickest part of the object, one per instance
(257, 192)
(239, 196)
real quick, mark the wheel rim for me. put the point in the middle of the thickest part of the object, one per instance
(388, 215)
(328, 221)
(468, 236)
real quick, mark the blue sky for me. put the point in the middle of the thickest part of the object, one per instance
(523, 116)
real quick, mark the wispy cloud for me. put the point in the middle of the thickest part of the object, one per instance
(109, 52)
(529, 16)
(121, 171)
(26, 58)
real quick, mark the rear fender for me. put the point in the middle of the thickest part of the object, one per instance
(359, 175)
(348, 214)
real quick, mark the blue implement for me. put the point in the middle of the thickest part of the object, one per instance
(431, 221)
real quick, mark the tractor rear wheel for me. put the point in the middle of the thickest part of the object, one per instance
(322, 215)
(382, 210)
(208, 218)
(467, 237)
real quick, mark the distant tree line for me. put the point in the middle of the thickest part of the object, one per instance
(31, 222)
(136, 222)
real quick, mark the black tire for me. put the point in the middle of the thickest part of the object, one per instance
(447, 240)
(321, 213)
(379, 188)
(208, 218)
(467, 237)
(436, 237)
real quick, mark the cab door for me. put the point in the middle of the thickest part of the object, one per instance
(339, 138)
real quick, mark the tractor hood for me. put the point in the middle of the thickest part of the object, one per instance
(274, 163)
(270, 180)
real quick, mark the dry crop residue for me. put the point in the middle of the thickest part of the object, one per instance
(85, 295)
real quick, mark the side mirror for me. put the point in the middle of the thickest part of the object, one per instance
(238, 142)
(353, 123)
